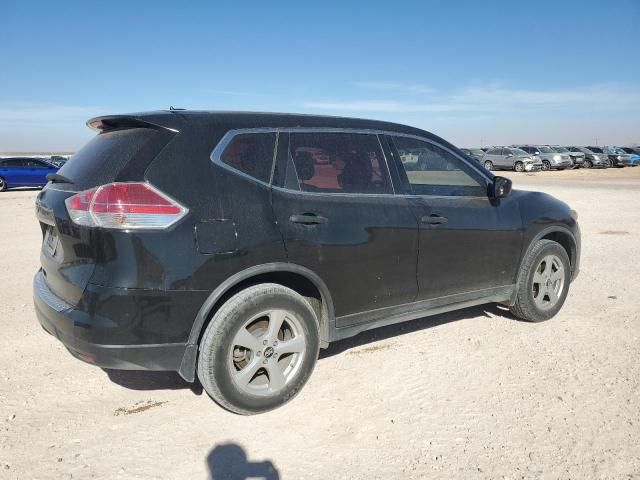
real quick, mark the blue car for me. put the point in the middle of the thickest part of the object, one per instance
(24, 172)
(634, 152)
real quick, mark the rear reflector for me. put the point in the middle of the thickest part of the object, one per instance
(124, 206)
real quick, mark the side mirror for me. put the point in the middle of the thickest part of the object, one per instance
(510, 155)
(501, 187)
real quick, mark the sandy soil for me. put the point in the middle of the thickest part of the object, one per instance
(471, 394)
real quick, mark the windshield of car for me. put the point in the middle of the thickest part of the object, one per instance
(518, 152)
(560, 149)
(477, 151)
(596, 149)
(546, 150)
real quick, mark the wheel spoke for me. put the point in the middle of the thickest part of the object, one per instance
(245, 339)
(276, 317)
(553, 296)
(539, 299)
(538, 277)
(295, 345)
(244, 376)
(276, 376)
(557, 275)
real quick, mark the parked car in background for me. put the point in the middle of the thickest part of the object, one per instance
(591, 159)
(550, 159)
(577, 158)
(475, 153)
(139, 271)
(24, 172)
(634, 155)
(510, 158)
(617, 156)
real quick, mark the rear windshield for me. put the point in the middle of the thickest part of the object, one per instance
(103, 158)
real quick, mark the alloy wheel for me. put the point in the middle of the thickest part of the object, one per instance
(546, 165)
(488, 165)
(267, 352)
(548, 282)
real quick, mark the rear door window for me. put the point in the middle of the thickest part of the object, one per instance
(14, 162)
(338, 163)
(252, 154)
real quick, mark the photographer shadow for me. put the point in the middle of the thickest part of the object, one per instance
(229, 462)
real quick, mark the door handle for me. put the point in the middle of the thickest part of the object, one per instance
(434, 219)
(308, 219)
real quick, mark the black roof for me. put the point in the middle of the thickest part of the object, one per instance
(178, 119)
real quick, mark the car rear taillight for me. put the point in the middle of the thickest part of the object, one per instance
(124, 206)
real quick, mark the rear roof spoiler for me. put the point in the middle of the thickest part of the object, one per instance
(113, 122)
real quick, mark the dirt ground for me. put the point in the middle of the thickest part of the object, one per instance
(470, 394)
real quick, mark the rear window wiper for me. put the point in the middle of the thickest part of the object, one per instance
(57, 178)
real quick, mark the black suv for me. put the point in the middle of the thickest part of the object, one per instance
(232, 246)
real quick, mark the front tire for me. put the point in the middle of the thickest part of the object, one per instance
(543, 282)
(259, 349)
(519, 167)
(588, 164)
(546, 166)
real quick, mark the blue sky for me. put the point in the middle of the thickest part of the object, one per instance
(473, 72)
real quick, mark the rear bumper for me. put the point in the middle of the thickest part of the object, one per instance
(82, 333)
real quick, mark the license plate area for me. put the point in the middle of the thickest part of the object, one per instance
(51, 241)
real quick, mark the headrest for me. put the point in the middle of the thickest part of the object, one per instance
(305, 166)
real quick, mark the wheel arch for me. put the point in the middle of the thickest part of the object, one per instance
(559, 234)
(298, 278)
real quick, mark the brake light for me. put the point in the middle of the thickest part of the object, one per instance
(124, 206)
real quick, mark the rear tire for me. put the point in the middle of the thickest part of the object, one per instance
(488, 164)
(519, 167)
(543, 282)
(3, 184)
(259, 349)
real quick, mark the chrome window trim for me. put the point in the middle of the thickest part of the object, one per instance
(217, 152)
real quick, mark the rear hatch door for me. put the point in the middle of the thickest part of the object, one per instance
(120, 152)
